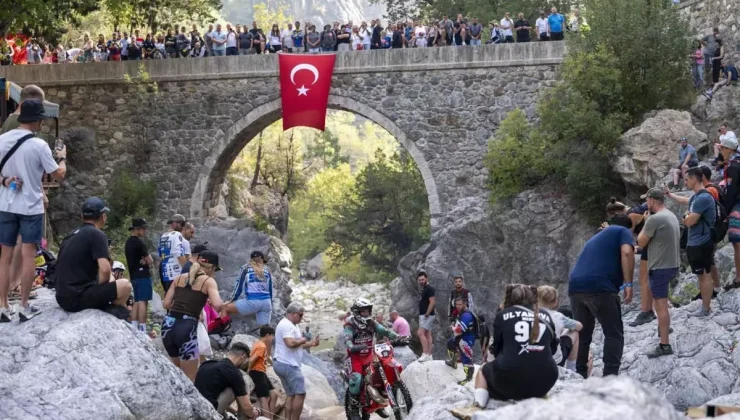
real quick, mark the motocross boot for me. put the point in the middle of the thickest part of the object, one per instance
(451, 359)
(382, 413)
(468, 375)
(354, 409)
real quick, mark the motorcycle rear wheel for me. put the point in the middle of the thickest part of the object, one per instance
(347, 408)
(403, 401)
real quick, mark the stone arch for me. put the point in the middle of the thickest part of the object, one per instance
(227, 148)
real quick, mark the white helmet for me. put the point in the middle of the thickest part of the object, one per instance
(360, 304)
(117, 265)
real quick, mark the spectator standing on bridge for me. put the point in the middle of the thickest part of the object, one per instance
(376, 38)
(506, 26)
(522, 28)
(556, 25)
(170, 44)
(426, 316)
(447, 26)
(476, 32)
(218, 37)
(542, 27)
(209, 40)
(313, 40)
(232, 41)
(246, 46)
(22, 198)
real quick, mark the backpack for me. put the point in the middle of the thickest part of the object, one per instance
(478, 328)
(721, 221)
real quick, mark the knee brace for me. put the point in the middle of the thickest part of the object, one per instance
(355, 381)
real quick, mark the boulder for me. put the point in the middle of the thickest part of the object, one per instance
(432, 379)
(647, 152)
(404, 355)
(315, 266)
(89, 365)
(724, 108)
(540, 227)
(330, 373)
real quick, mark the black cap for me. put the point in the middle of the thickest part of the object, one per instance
(93, 207)
(198, 249)
(258, 254)
(209, 257)
(138, 223)
(32, 110)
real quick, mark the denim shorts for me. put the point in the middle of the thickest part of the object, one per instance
(29, 227)
(142, 289)
(291, 377)
(262, 309)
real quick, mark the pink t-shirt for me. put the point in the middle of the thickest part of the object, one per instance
(699, 57)
(401, 327)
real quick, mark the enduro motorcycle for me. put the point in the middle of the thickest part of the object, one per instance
(382, 385)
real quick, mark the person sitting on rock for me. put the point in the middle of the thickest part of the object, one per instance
(565, 327)
(464, 330)
(221, 382)
(359, 331)
(185, 301)
(686, 159)
(83, 271)
(255, 281)
(524, 341)
(118, 269)
(729, 77)
(458, 291)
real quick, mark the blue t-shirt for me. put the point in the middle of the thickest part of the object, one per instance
(599, 267)
(220, 36)
(683, 151)
(701, 203)
(556, 22)
(733, 72)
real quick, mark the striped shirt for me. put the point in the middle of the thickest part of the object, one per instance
(255, 288)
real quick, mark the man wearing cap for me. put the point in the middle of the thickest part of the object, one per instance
(255, 281)
(686, 159)
(84, 267)
(661, 237)
(193, 257)
(23, 160)
(172, 251)
(731, 157)
(139, 260)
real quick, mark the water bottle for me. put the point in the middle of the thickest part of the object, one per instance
(13, 190)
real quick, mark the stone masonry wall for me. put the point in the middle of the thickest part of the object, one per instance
(723, 14)
(441, 104)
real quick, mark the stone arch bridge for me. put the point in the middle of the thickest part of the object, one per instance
(441, 104)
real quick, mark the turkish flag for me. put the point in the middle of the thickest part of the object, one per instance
(305, 80)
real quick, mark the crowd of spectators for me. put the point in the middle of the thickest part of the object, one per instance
(220, 40)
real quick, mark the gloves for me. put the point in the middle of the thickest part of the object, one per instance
(358, 348)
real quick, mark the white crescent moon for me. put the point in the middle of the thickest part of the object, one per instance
(304, 66)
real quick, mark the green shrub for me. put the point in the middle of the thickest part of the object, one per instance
(130, 197)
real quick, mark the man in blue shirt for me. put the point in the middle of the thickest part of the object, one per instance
(556, 22)
(729, 76)
(700, 219)
(686, 159)
(218, 37)
(605, 267)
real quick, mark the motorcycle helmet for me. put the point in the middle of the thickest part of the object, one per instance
(357, 307)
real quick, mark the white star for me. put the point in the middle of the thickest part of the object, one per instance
(302, 90)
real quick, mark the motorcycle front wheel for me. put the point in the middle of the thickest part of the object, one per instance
(348, 408)
(403, 401)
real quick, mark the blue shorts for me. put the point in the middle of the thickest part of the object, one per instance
(29, 227)
(262, 309)
(291, 377)
(659, 280)
(142, 289)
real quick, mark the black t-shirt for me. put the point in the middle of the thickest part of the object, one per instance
(77, 263)
(170, 43)
(426, 293)
(397, 41)
(522, 34)
(214, 376)
(245, 39)
(511, 346)
(375, 38)
(135, 250)
(254, 32)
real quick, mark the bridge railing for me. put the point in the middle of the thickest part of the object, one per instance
(209, 68)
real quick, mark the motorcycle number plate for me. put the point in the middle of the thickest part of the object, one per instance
(380, 348)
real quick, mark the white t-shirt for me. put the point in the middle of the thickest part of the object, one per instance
(541, 25)
(274, 40)
(29, 162)
(356, 40)
(283, 353)
(506, 25)
(728, 135)
(170, 248)
(185, 247)
(231, 40)
(562, 323)
(366, 35)
(287, 36)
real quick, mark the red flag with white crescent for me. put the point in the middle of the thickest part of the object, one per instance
(305, 80)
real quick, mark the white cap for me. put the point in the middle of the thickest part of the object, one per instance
(117, 265)
(729, 143)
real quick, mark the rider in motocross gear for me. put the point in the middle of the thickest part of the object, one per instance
(359, 331)
(463, 340)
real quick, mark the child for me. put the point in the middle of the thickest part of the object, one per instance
(258, 371)
(565, 327)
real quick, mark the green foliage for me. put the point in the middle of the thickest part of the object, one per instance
(385, 215)
(47, 18)
(354, 270)
(142, 83)
(160, 14)
(130, 197)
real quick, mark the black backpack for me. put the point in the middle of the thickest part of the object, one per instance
(721, 221)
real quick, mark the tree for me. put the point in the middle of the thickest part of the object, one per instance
(42, 18)
(384, 217)
(266, 17)
(158, 14)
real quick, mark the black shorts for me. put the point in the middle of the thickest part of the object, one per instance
(529, 382)
(556, 36)
(98, 296)
(262, 384)
(701, 258)
(180, 336)
(566, 347)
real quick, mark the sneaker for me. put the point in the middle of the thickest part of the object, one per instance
(643, 318)
(660, 350)
(698, 295)
(5, 315)
(27, 313)
(119, 312)
(701, 312)
(734, 285)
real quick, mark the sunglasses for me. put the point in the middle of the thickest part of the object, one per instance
(301, 314)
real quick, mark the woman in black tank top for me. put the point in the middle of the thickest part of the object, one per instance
(185, 300)
(524, 341)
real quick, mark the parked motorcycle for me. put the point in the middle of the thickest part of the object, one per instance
(382, 385)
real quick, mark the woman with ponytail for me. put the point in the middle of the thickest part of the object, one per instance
(524, 341)
(185, 301)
